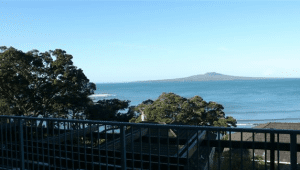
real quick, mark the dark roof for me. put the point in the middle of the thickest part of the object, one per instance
(199, 157)
(284, 156)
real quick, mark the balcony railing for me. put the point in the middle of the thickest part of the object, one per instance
(85, 144)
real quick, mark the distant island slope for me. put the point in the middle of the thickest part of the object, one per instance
(211, 76)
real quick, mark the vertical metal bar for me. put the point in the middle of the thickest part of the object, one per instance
(278, 151)
(27, 150)
(113, 133)
(92, 143)
(99, 142)
(219, 150)
(84, 140)
(187, 148)
(11, 148)
(293, 151)
(15, 133)
(230, 150)
(59, 146)
(253, 151)
(132, 149)
(72, 145)
(177, 149)
(150, 164)
(141, 151)
(208, 141)
(66, 150)
(123, 147)
(242, 150)
(37, 144)
(43, 152)
(21, 144)
(48, 148)
(31, 140)
(265, 151)
(78, 146)
(2, 144)
(158, 148)
(106, 148)
(168, 152)
(53, 142)
(272, 155)
(6, 141)
(198, 148)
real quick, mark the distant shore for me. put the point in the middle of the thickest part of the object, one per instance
(212, 76)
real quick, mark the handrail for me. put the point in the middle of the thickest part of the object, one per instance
(117, 142)
(68, 135)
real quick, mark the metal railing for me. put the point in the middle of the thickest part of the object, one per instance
(88, 145)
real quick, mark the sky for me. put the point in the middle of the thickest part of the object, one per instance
(124, 41)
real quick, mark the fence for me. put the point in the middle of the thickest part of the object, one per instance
(89, 145)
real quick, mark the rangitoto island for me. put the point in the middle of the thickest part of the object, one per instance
(211, 76)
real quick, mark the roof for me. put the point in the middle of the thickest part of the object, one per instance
(284, 156)
(199, 157)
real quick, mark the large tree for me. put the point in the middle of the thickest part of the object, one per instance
(170, 108)
(35, 84)
(108, 110)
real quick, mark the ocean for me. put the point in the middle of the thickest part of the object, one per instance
(251, 102)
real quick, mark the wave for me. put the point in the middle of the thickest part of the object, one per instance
(101, 95)
(268, 119)
(263, 111)
(248, 124)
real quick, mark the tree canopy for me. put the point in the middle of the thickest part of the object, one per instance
(171, 108)
(33, 83)
(108, 110)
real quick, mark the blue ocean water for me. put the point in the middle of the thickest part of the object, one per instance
(251, 102)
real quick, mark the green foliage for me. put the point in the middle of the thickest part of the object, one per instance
(170, 108)
(235, 161)
(260, 159)
(32, 83)
(107, 110)
(226, 137)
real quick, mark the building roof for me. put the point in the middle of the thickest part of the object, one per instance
(141, 145)
(284, 156)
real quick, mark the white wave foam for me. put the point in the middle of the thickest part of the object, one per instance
(244, 124)
(101, 95)
(248, 124)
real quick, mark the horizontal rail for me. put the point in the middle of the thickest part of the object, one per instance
(68, 135)
(159, 126)
(249, 145)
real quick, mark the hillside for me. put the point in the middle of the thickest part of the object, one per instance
(211, 76)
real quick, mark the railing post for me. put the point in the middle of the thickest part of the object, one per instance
(293, 151)
(123, 147)
(21, 144)
(272, 154)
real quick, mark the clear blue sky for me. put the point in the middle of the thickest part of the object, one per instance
(150, 40)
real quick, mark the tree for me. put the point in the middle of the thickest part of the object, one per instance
(170, 108)
(107, 110)
(236, 160)
(35, 84)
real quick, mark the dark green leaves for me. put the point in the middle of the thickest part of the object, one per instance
(108, 110)
(171, 108)
(34, 83)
